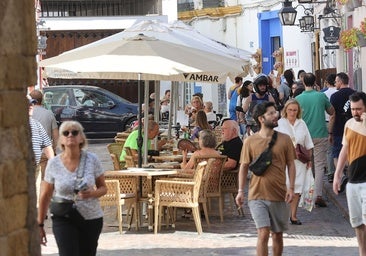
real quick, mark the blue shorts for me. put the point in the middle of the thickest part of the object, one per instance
(337, 146)
(270, 214)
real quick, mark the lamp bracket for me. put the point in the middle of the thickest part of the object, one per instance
(307, 11)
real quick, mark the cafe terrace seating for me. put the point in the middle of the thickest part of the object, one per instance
(181, 193)
(115, 150)
(122, 191)
(211, 183)
(229, 185)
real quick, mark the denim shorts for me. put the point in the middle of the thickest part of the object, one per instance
(356, 199)
(270, 214)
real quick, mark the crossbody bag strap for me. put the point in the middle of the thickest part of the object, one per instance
(273, 140)
(81, 167)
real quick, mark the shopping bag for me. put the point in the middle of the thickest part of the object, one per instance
(307, 199)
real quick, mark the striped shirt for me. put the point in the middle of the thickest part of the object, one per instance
(40, 138)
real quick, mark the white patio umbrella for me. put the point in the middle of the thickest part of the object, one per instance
(142, 58)
(152, 58)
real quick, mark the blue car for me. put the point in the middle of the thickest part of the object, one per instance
(101, 112)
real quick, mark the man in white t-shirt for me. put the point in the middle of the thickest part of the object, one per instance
(329, 83)
(208, 108)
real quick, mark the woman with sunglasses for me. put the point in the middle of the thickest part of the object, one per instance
(73, 175)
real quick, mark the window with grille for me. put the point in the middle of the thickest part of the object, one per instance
(185, 5)
(80, 8)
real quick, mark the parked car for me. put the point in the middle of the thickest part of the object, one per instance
(101, 112)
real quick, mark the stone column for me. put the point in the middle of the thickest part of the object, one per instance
(19, 234)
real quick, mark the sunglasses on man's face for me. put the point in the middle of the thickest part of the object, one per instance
(73, 133)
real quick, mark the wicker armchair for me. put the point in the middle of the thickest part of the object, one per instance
(130, 158)
(211, 183)
(229, 185)
(128, 193)
(115, 150)
(179, 193)
(113, 198)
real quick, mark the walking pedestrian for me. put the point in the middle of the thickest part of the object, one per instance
(232, 96)
(292, 125)
(48, 121)
(74, 176)
(313, 105)
(354, 152)
(342, 108)
(268, 195)
(260, 84)
(329, 90)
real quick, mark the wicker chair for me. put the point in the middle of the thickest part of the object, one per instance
(121, 137)
(115, 150)
(218, 134)
(179, 193)
(129, 158)
(113, 198)
(128, 193)
(229, 185)
(211, 183)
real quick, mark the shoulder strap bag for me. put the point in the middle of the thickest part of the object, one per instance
(259, 165)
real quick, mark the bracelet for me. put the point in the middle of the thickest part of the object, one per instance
(240, 190)
(41, 225)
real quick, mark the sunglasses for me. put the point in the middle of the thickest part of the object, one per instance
(73, 133)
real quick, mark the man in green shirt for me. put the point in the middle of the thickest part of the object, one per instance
(313, 105)
(131, 141)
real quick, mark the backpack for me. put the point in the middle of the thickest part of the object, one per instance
(276, 96)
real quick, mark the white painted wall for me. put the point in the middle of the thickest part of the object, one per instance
(170, 8)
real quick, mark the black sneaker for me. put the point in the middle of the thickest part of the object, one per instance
(344, 181)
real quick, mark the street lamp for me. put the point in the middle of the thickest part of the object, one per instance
(287, 14)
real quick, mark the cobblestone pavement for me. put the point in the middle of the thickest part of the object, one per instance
(325, 231)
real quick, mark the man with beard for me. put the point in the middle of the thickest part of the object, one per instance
(260, 84)
(268, 196)
(354, 152)
(342, 113)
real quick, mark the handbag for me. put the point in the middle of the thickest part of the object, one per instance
(259, 165)
(302, 154)
(61, 207)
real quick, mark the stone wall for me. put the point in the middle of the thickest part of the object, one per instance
(19, 234)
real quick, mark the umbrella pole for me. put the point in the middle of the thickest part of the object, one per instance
(139, 137)
(146, 121)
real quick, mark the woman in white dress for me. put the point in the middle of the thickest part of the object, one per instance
(292, 124)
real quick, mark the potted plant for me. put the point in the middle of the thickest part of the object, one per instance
(362, 34)
(348, 38)
(342, 2)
